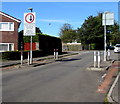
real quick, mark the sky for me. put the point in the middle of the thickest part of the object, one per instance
(50, 16)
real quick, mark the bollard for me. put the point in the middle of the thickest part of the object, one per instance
(98, 59)
(21, 58)
(105, 56)
(28, 58)
(108, 54)
(94, 58)
(56, 54)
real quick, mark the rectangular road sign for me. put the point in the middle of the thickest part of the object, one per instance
(29, 24)
(108, 18)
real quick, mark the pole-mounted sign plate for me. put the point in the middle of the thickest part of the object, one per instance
(108, 18)
(29, 24)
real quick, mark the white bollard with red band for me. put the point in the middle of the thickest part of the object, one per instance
(56, 54)
(28, 58)
(21, 58)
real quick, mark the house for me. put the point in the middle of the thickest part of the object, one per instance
(8, 32)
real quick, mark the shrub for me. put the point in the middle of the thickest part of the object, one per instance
(16, 55)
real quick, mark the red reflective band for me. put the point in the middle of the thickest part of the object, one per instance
(32, 19)
(21, 53)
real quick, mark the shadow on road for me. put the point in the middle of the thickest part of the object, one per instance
(67, 60)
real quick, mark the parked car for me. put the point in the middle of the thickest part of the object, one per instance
(110, 47)
(117, 48)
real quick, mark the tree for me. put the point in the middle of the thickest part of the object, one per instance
(114, 34)
(38, 30)
(67, 34)
(92, 32)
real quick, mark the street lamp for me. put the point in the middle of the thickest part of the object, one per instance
(31, 9)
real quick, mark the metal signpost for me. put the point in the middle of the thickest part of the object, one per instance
(29, 28)
(107, 19)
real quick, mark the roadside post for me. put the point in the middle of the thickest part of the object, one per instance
(107, 19)
(95, 59)
(21, 54)
(98, 59)
(29, 27)
(108, 54)
(28, 58)
(56, 54)
(21, 58)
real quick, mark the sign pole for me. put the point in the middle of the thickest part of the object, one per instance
(105, 39)
(107, 19)
(31, 51)
(30, 29)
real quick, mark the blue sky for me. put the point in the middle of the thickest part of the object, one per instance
(58, 13)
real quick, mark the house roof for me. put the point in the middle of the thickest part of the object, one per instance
(11, 17)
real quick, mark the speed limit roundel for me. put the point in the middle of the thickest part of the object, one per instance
(29, 18)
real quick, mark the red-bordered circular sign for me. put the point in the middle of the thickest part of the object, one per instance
(29, 18)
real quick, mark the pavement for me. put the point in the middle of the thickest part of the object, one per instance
(8, 64)
(113, 94)
(108, 84)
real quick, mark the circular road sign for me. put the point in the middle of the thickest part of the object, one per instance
(29, 18)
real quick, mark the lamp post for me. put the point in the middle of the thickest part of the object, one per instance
(31, 9)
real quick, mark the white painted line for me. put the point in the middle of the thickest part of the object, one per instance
(95, 69)
(104, 76)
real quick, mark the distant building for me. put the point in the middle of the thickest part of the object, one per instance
(8, 32)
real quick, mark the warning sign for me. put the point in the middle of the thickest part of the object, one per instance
(29, 24)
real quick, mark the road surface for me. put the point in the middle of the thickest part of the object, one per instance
(62, 81)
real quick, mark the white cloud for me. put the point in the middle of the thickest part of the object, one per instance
(52, 20)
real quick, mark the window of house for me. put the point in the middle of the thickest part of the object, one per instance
(6, 47)
(11, 26)
(6, 26)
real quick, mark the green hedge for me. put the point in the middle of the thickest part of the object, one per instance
(46, 43)
(16, 55)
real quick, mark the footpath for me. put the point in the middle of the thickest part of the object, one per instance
(36, 61)
(111, 83)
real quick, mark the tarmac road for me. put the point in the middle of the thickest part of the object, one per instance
(62, 81)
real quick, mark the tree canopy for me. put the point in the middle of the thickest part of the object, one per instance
(67, 34)
(91, 32)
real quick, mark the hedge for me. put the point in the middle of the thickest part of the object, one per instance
(46, 43)
(16, 55)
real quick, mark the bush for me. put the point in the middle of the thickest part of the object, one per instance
(16, 55)
(11, 55)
